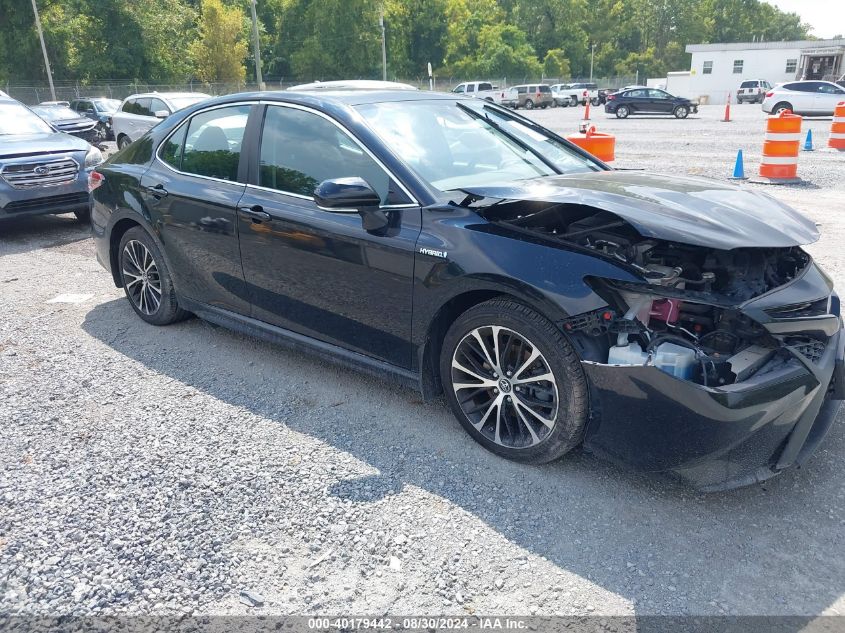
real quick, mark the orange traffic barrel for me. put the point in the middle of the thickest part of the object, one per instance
(837, 128)
(600, 145)
(780, 149)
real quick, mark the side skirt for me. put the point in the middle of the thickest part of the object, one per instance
(300, 342)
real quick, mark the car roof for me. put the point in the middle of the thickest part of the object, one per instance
(167, 95)
(326, 98)
(355, 84)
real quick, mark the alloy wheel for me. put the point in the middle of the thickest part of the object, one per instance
(505, 387)
(141, 277)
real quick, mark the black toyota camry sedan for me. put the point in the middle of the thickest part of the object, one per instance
(674, 324)
(642, 100)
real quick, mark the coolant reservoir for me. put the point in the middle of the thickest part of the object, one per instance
(677, 360)
(630, 354)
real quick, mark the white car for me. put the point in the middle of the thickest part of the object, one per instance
(753, 90)
(482, 90)
(140, 113)
(813, 98)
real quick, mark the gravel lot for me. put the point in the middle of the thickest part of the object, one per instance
(164, 470)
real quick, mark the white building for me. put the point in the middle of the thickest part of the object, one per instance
(719, 69)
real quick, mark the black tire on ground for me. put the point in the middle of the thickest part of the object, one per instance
(573, 101)
(529, 105)
(595, 101)
(123, 141)
(569, 385)
(783, 105)
(102, 132)
(168, 310)
(83, 215)
(681, 112)
(622, 112)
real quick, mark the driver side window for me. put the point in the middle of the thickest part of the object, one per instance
(300, 149)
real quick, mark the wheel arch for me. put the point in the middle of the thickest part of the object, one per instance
(124, 223)
(429, 352)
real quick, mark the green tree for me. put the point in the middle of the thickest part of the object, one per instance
(556, 63)
(219, 51)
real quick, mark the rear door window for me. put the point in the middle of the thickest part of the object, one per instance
(485, 86)
(545, 89)
(471, 88)
(212, 146)
(748, 84)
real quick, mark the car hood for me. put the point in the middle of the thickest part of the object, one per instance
(44, 143)
(681, 209)
(75, 121)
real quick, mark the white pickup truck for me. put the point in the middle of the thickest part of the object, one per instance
(481, 90)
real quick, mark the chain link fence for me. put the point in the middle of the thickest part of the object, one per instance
(33, 93)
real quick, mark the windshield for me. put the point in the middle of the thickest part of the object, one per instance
(471, 145)
(17, 119)
(183, 102)
(55, 113)
(106, 105)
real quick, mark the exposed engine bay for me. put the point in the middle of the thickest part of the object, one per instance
(685, 319)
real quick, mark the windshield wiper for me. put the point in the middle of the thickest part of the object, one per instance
(496, 126)
(512, 116)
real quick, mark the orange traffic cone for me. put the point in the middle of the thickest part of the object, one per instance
(727, 118)
(587, 110)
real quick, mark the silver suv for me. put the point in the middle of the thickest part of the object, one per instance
(42, 171)
(140, 113)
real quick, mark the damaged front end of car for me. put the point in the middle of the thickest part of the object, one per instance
(721, 365)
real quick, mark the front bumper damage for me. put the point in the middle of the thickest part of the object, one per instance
(723, 437)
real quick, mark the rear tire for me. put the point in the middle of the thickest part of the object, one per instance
(531, 403)
(595, 101)
(529, 105)
(123, 141)
(83, 215)
(146, 279)
(780, 107)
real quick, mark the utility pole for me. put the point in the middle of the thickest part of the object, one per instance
(592, 56)
(258, 76)
(383, 45)
(44, 50)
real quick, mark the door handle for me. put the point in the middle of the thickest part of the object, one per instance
(158, 190)
(256, 212)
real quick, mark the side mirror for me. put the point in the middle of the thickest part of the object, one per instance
(350, 195)
(161, 114)
(346, 194)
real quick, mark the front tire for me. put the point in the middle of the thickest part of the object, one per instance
(146, 279)
(514, 382)
(622, 112)
(681, 112)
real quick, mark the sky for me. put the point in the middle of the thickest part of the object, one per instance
(827, 17)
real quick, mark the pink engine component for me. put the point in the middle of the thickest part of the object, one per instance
(665, 310)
